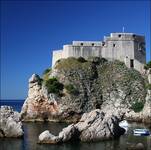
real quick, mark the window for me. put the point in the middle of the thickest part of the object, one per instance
(92, 44)
(119, 35)
(81, 44)
(134, 35)
(113, 45)
(131, 63)
(103, 43)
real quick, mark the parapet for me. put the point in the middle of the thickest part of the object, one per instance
(86, 43)
(124, 36)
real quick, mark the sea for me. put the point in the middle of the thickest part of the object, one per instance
(33, 129)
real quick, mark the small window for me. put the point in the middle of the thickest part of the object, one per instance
(81, 44)
(103, 43)
(92, 44)
(119, 35)
(131, 63)
(113, 45)
(134, 35)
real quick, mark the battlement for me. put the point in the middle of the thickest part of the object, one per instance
(126, 47)
(123, 36)
(86, 43)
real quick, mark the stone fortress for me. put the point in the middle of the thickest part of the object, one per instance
(125, 47)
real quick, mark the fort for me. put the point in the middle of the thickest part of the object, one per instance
(125, 47)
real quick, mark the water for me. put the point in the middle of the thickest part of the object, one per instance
(16, 104)
(33, 129)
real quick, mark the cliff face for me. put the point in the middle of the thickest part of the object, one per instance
(75, 86)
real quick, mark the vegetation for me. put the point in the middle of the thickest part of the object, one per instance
(53, 86)
(71, 89)
(81, 59)
(46, 73)
(147, 66)
(148, 86)
(137, 106)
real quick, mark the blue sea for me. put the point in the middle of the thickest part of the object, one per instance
(33, 129)
(16, 104)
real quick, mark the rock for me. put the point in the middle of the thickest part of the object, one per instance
(47, 137)
(92, 84)
(34, 78)
(93, 126)
(69, 133)
(39, 106)
(98, 125)
(10, 124)
(140, 146)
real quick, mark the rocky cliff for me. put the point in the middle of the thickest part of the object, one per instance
(75, 86)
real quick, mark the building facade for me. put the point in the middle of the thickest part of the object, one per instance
(126, 47)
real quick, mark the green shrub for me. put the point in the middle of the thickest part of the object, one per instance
(137, 106)
(71, 89)
(147, 66)
(81, 59)
(53, 86)
(149, 86)
(46, 71)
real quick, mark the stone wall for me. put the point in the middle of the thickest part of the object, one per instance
(126, 47)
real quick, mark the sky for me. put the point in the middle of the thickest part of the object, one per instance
(30, 30)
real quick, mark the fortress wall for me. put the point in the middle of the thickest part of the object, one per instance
(128, 49)
(138, 66)
(86, 43)
(140, 50)
(57, 54)
(83, 51)
(118, 46)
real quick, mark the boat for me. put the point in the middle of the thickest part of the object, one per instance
(141, 132)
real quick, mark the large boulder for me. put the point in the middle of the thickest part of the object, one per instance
(93, 126)
(10, 124)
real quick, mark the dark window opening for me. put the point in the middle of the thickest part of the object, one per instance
(103, 43)
(81, 44)
(92, 44)
(113, 45)
(131, 63)
(134, 35)
(119, 35)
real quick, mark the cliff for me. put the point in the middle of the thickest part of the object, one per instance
(75, 86)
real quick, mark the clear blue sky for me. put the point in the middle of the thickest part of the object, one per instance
(30, 30)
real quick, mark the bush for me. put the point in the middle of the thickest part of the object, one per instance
(71, 89)
(53, 86)
(46, 71)
(147, 66)
(81, 59)
(149, 86)
(137, 106)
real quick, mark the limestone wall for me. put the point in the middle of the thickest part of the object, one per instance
(126, 47)
(57, 54)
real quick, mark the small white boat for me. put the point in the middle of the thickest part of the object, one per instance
(141, 132)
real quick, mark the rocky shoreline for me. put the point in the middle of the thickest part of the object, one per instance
(93, 126)
(10, 123)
